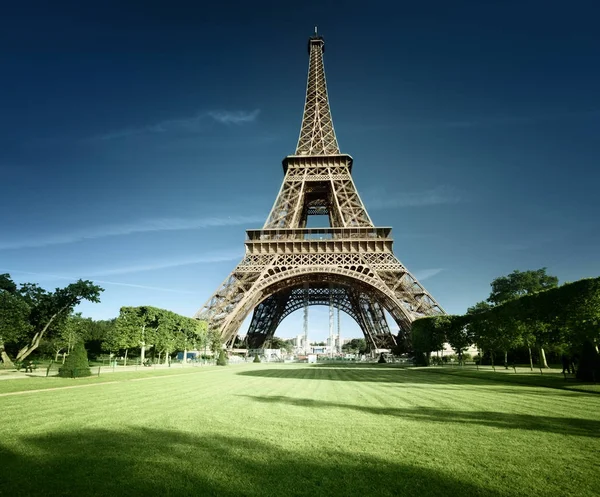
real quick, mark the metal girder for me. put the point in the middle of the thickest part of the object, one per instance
(317, 136)
(274, 309)
(350, 265)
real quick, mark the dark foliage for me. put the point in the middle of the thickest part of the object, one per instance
(222, 360)
(77, 364)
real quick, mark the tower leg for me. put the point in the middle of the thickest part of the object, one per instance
(339, 333)
(331, 339)
(306, 344)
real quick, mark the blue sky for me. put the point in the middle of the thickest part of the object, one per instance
(138, 141)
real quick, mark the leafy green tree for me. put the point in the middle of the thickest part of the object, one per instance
(222, 359)
(46, 310)
(135, 327)
(14, 317)
(214, 341)
(427, 335)
(76, 364)
(355, 346)
(167, 331)
(195, 334)
(279, 343)
(127, 332)
(76, 329)
(256, 358)
(99, 331)
(519, 283)
(458, 334)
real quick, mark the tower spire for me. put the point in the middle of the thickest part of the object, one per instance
(317, 136)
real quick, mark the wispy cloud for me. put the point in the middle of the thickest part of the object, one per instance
(194, 124)
(102, 282)
(424, 274)
(436, 196)
(238, 117)
(152, 266)
(142, 226)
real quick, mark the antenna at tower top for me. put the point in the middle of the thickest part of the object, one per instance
(315, 30)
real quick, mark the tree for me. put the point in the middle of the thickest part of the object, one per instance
(427, 335)
(126, 333)
(519, 283)
(214, 341)
(222, 359)
(46, 310)
(355, 346)
(279, 343)
(76, 364)
(194, 334)
(457, 333)
(135, 327)
(167, 331)
(14, 317)
(99, 332)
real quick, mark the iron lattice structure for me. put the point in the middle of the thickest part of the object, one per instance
(287, 266)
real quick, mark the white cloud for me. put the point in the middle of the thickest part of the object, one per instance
(102, 282)
(237, 117)
(192, 124)
(151, 266)
(424, 274)
(436, 196)
(142, 226)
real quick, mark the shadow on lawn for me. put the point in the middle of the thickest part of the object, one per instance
(368, 373)
(547, 424)
(147, 462)
(399, 375)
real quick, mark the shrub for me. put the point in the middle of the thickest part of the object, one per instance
(76, 365)
(222, 360)
(256, 358)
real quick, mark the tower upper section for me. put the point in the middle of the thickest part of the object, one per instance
(317, 136)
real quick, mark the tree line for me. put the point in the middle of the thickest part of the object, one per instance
(525, 310)
(166, 332)
(33, 320)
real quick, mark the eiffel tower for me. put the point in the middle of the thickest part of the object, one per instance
(349, 265)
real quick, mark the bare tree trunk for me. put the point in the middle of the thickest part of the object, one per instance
(159, 356)
(125, 363)
(166, 357)
(56, 355)
(5, 359)
(64, 357)
(492, 357)
(506, 359)
(530, 358)
(543, 361)
(142, 353)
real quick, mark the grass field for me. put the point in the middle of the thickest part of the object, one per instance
(278, 430)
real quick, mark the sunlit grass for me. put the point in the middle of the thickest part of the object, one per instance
(262, 429)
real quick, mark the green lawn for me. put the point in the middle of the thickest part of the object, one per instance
(261, 429)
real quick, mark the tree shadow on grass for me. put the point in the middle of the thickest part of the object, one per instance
(547, 424)
(400, 375)
(353, 373)
(147, 462)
